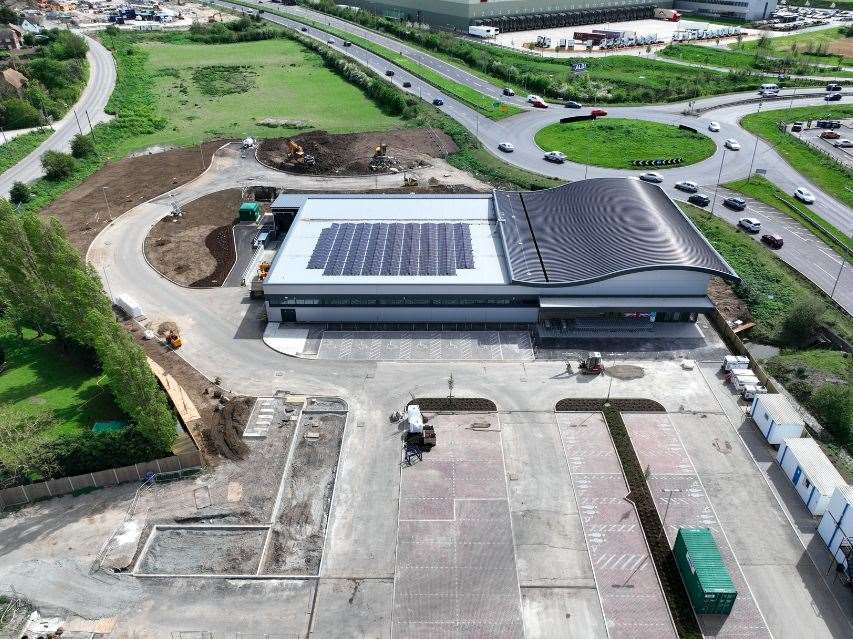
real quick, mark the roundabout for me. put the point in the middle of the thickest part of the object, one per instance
(621, 143)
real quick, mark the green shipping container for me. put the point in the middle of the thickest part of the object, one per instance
(704, 572)
(250, 211)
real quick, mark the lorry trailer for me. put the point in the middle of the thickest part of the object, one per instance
(483, 31)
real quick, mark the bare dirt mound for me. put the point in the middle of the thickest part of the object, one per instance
(196, 250)
(128, 182)
(351, 153)
(731, 307)
(842, 47)
(625, 371)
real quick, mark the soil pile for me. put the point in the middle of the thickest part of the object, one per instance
(731, 307)
(353, 153)
(226, 430)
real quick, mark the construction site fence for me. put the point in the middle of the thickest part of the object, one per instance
(203, 634)
(18, 495)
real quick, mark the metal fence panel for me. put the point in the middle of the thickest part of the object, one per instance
(105, 478)
(127, 473)
(82, 481)
(13, 496)
(37, 491)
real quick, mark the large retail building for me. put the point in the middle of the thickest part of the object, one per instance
(601, 248)
(526, 15)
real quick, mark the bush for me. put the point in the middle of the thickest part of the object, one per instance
(82, 146)
(802, 322)
(832, 405)
(19, 114)
(57, 166)
(19, 193)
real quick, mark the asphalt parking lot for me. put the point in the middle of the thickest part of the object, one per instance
(843, 156)
(437, 345)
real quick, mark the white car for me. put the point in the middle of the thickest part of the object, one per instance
(555, 156)
(732, 145)
(651, 176)
(534, 98)
(714, 127)
(804, 195)
(844, 144)
(330, 41)
(506, 147)
(687, 186)
(750, 224)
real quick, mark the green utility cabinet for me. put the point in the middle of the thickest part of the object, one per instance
(250, 211)
(704, 572)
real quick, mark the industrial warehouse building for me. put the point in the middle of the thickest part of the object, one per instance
(607, 248)
(527, 15)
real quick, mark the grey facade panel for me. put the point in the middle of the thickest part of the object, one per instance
(743, 9)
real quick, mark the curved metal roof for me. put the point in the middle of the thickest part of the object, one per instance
(596, 229)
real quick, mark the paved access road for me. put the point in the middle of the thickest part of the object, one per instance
(804, 252)
(102, 80)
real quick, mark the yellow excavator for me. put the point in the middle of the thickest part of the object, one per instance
(297, 155)
(380, 151)
(174, 340)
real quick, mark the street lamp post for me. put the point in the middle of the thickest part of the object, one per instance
(838, 277)
(754, 149)
(717, 185)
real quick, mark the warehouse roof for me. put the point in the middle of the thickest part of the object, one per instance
(779, 408)
(815, 464)
(595, 229)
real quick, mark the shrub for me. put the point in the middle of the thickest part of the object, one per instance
(19, 193)
(82, 146)
(832, 405)
(57, 166)
(19, 114)
(802, 322)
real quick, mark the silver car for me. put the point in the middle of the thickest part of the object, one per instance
(506, 147)
(651, 176)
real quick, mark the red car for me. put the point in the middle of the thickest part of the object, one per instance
(539, 104)
(773, 241)
(598, 113)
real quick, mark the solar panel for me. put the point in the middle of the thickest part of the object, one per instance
(366, 248)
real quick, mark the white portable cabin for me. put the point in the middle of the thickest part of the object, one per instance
(836, 527)
(810, 471)
(742, 378)
(776, 418)
(735, 362)
(129, 305)
(415, 419)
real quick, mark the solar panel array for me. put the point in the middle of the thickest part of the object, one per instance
(367, 248)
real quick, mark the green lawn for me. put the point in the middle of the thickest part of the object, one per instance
(762, 189)
(825, 361)
(39, 375)
(748, 60)
(805, 43)
(769, 286)
(20, 147)
(815, 166)
(278, 79)
(616, 142)
(483, 104)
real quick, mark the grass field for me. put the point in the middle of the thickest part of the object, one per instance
(825, 361)
(616, 142)
(769, 286)
(39, 375)
(223, 90)
(20, 147)
(814, 165)
(801, 43)
(748, 60)
(765, 191)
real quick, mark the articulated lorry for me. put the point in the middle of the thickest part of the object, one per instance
(483, 32)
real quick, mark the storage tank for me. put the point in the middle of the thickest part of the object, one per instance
(703, 571)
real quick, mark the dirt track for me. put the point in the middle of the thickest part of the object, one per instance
(351, 153)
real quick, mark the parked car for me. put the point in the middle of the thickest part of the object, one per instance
(736, 203)
(773, 241)
(687, 186)
(832, 97)
(598, 113)
(804, 195)
(651, 176)
(407, 85)
(438, 102)
(508, 91)
(830, 135)
(844, 144)
(699, 199)
(732, 145)
(506, 147)
(749, 224)
(714, 127)
(540, 104)
(556, 157)
(833, 86)
(571, 104)
(534, 98)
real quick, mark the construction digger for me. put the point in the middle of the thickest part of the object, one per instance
(174, 340)
(297, 155)
(592, 364)
(380, 151)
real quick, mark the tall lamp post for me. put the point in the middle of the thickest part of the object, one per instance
(754, 149)
(719, 176)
